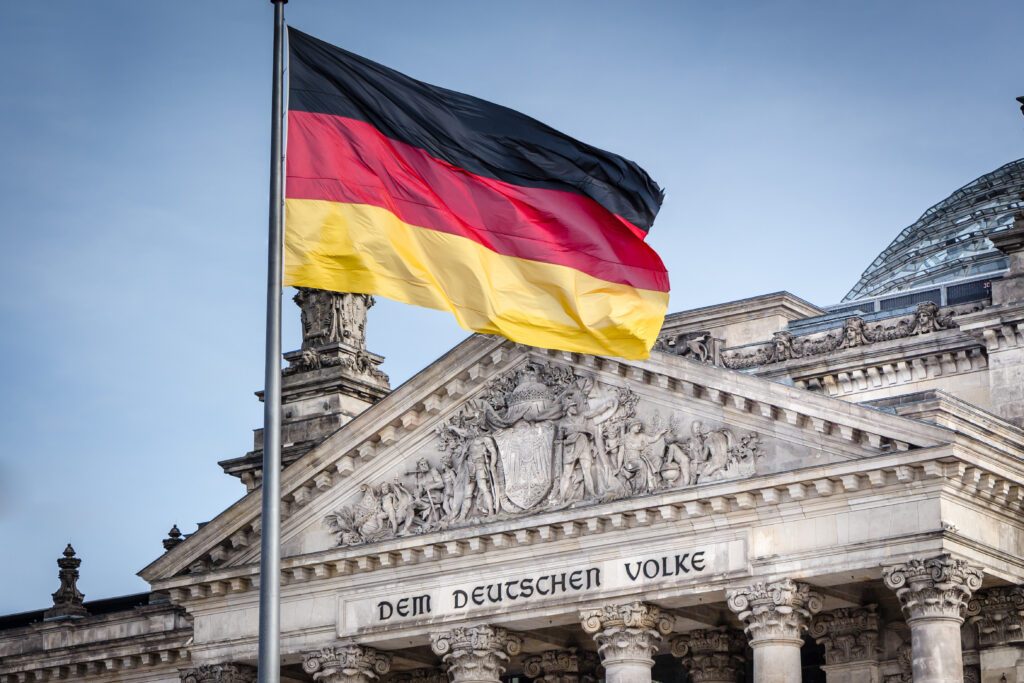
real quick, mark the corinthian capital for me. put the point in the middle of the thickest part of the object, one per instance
(630, 631)
(220, 673)
(475, 653)
(936, 588)
(711, 655)
(779, 610)
(348, 663)
(998, 614)
(849, 634)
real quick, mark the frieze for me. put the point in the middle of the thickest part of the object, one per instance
(855, 332)
(538, 439)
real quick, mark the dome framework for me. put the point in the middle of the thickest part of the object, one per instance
(949, 242)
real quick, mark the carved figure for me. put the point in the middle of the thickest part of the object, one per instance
(479, 485)
(587, 471)
(927, 319)
(541, 438)
(429, 492)
(449, 479)
(853, 333)
(710, 450)
(698, 346)
(639, 464)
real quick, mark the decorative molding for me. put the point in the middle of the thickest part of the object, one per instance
(937, 587)
(219, 673)
(711, 655)
(476, 653)
(775, 611)
(854, 333)
(543, 438)
(998, 614)
(848, 634)
(628, 631)
(348, 663)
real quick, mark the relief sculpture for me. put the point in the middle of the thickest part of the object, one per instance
(927, 318)
(542, 438)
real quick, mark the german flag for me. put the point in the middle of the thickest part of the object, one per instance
(438, 199)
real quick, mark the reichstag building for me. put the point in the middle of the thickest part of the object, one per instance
(783, 492)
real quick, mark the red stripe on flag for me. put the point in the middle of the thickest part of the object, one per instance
(339, 159)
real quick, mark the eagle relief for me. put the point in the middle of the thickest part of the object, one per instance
(542, 438)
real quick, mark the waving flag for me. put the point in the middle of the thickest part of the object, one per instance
(439, 199)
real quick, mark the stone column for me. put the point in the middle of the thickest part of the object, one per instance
(850, 638)
(934, 594)
(219, 673)
(998, 615)
(713, 655)
(776, 615)
(562, 666)
(475, 654)
(348, 663)
(627, 636)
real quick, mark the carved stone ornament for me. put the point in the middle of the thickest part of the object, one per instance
(937, 587)
(712, 655)
(854, 333)
(542, 438)
(696, 346)
(775, 611)
(630, 631)
(998, 614)
(475, 653)
(849, 634)
(334, 333)
(346, 663)
(562, 666)
(220, 673)
(431, 675)
(67, 600)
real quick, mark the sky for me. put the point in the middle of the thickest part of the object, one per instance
(794, 141)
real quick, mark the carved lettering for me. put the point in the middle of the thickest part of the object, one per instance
(409, 606)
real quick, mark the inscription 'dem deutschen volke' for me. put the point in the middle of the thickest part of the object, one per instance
(539, 586)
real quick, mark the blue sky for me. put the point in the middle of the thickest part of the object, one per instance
(794, 139)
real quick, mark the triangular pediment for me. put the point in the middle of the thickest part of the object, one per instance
(495, 432)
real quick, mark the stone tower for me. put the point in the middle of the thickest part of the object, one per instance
(328, 381)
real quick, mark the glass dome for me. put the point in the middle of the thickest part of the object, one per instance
(949, 241)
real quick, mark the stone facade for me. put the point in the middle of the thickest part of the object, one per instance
(776, 474)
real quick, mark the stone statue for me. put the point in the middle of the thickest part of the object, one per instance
(640, 465)
(428, 492)
(479, 483)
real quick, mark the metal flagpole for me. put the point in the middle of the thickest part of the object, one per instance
(270, 547)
